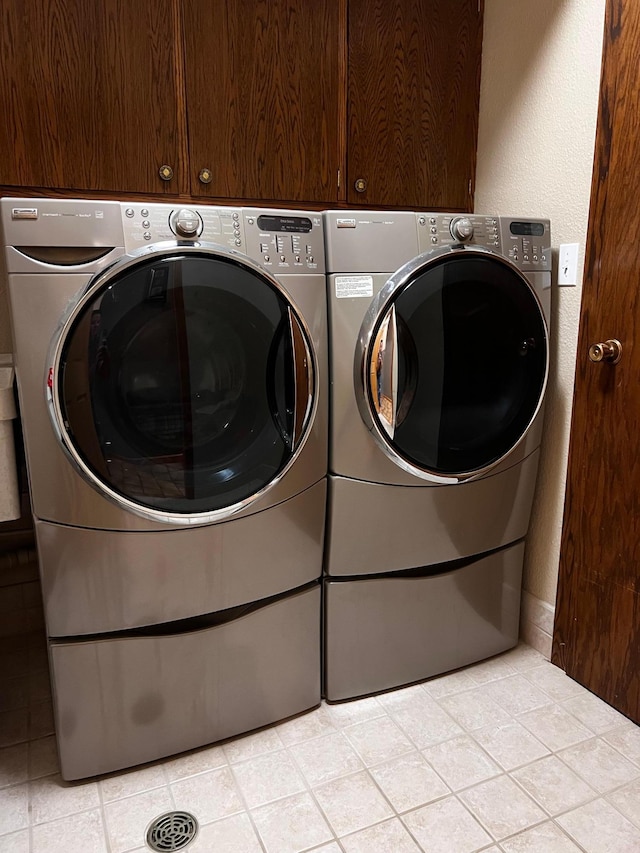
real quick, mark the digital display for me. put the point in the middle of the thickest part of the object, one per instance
(527, 229)
(290, 224)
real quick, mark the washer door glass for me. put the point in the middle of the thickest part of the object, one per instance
(456, 365)
(184, 383)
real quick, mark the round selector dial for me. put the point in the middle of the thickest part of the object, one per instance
(186, 223)
(462, 229)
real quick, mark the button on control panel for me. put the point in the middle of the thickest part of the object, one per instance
(186, 223)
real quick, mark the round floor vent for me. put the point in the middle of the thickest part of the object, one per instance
(172, 831)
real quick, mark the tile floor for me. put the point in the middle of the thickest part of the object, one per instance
(508, 755)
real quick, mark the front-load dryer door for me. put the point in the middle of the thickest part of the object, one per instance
(451, 363)
(183, 383)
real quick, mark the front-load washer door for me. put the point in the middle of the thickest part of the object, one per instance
(451, 363)
(183, 383)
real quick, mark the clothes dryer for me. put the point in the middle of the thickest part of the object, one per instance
(439, 356)
(171, 368)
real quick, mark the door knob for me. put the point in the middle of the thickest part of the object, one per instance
(610, 351)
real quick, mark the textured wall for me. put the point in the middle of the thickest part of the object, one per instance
(538, 108)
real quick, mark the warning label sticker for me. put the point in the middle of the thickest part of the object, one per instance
(353, 285)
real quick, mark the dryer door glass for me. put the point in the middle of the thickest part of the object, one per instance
(179, 383)
(457, 365)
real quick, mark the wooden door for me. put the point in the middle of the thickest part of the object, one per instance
(597, 631)
(89, 95)
(412, 106)
(263, 96)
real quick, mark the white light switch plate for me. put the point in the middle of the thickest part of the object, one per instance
(568, 264)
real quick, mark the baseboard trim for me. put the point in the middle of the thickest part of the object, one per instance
(536, 623)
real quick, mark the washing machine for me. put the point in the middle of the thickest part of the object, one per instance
(171, 367)
(439, 356)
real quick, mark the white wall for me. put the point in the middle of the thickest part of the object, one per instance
(538, 108)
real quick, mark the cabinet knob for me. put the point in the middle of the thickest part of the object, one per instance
(360, 185)
(165, 172)
(205, 176)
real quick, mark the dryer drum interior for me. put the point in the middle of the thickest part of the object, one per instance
(456, 364)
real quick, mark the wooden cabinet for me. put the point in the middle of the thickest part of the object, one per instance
(88, 95)
(335, 102)
(263, 90)
(413, 92)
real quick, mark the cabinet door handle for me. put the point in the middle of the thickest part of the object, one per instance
(165, 172)
(360, 185)
(205, 176)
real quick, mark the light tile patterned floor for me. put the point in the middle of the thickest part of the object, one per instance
(508, 756)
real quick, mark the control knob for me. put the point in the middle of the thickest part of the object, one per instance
(462, 229)
(186, 223)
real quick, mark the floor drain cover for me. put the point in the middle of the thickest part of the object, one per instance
(172, 831)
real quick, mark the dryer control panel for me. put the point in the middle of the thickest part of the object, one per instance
(527, 243)
(443, 229)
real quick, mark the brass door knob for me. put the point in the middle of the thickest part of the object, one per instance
(610, 351)
(165, 172)
(205, 176)
(360, 185)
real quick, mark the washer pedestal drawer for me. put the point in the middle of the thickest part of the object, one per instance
(382, 633)
(126, 700)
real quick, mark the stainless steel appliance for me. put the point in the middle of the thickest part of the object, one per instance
(438, 328)
(171, 365)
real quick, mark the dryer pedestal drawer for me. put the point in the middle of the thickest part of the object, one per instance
(384, 632)
(375, 528)
(127, 700)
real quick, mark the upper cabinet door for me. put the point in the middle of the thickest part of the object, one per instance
(89, 95)
(413, 93)
(263, 89)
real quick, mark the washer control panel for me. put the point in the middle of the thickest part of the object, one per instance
(281, 241)
(527, 243)
(156, 223)
(285, 241)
